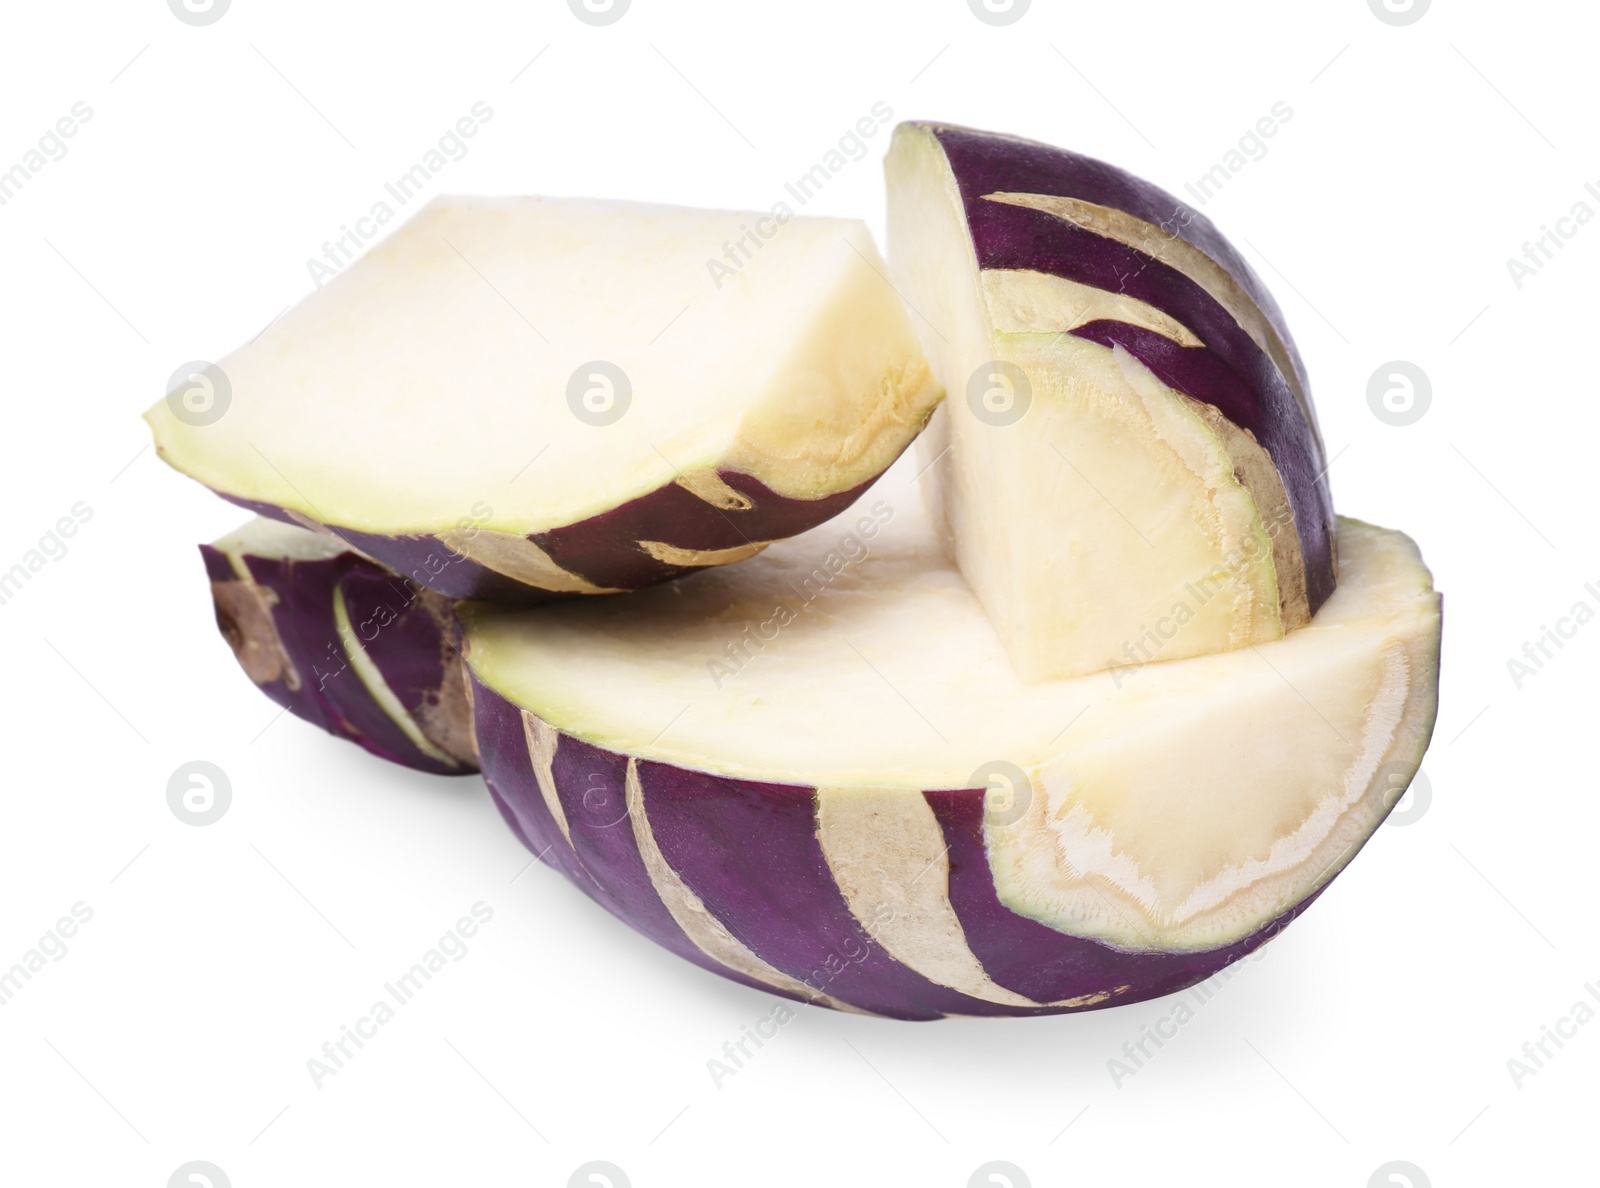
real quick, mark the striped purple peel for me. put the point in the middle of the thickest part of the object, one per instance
(324, 689)
(749, 853)
(604, 549)
(1007, 236)
(1041, 963)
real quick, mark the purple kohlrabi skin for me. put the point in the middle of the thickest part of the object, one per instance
(1230, 371)
(740, 866)
(284, 629)
(605, 550)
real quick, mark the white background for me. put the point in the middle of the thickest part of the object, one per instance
(219, 959)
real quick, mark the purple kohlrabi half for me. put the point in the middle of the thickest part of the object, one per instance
(735, 876)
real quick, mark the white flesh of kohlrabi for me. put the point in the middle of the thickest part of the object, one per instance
(1175, 805)
(429, 383)
(1115, 506)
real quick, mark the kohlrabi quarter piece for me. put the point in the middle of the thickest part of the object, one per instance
(819, 773)
(1128, 462)
(514, 398)
(345, 644)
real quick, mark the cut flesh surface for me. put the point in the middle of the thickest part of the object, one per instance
(1127, 465)
(1168, 807)
(563, 393)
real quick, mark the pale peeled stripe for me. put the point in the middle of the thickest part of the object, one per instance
(673, 555)
(371, 676)
(886, 850)
(259, 647)
(703, 482)
(1185, 258)
(517, 557)
(1255, 471)
(708, 933)
(542, 751)
(1023, 301)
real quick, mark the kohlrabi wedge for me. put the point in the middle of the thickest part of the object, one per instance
(521, 398)
(819, 773)
(1128, 463)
